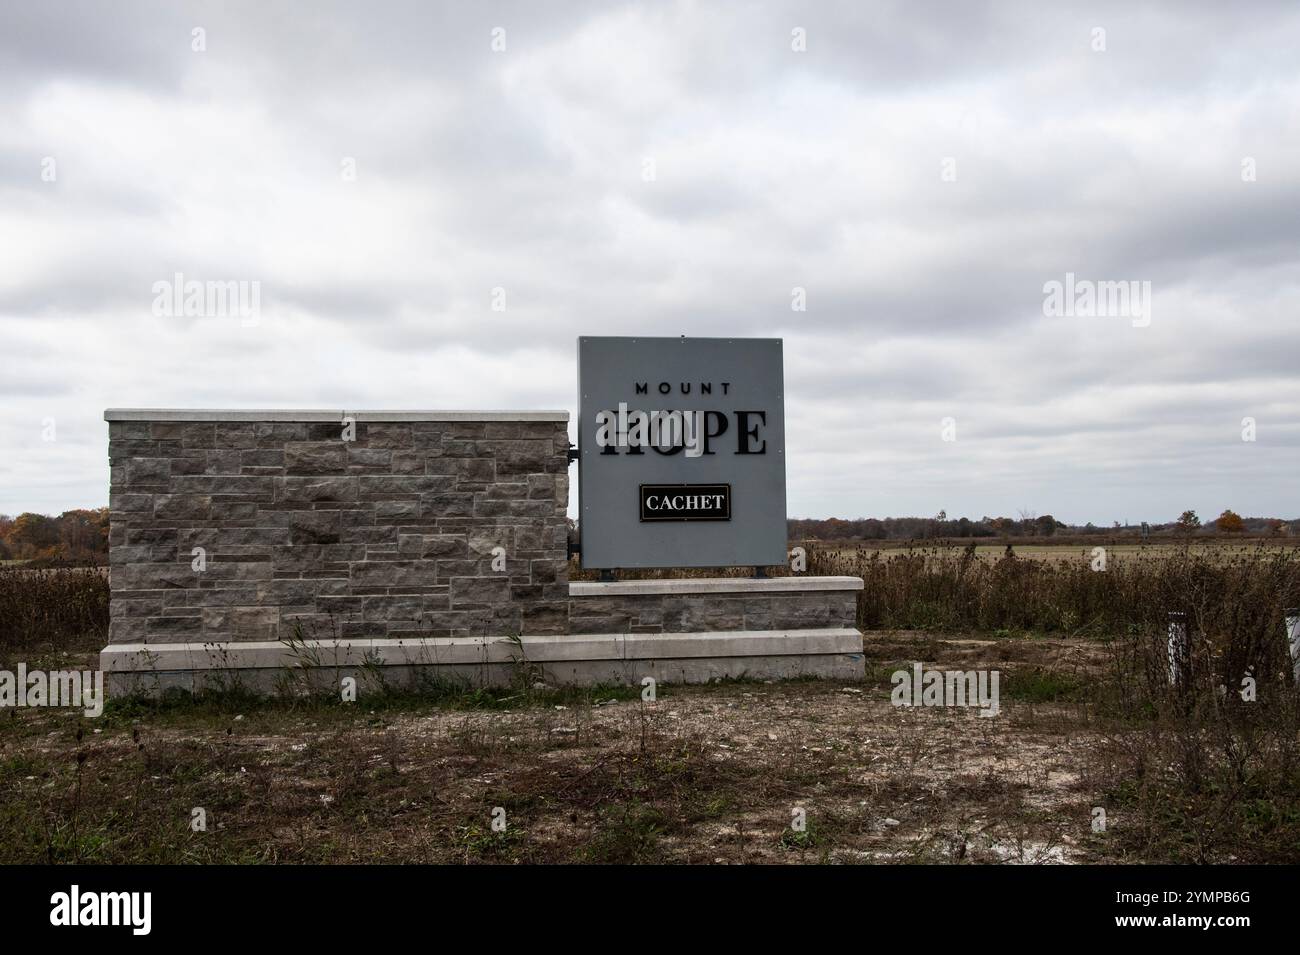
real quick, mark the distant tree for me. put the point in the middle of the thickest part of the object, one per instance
(74, 535)
(1230, 522)
(83, 532)
(32, 533)
(1027, 519)
(1188, 521)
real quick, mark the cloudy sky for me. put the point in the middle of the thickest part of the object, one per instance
(667, 169)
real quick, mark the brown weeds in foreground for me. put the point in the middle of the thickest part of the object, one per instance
(53, 609)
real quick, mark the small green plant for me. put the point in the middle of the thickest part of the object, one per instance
(1040, 685)
(627, 833)
(801, 839)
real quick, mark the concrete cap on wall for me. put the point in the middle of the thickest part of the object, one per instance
(315, 415)
(710, 585)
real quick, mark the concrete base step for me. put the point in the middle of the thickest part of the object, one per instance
(614, 658)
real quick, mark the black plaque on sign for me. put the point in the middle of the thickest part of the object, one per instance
(685, 502)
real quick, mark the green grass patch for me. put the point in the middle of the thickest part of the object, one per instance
(1038, 685)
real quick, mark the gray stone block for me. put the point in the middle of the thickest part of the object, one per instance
(316, 457)
(469, 592)
(311, 490)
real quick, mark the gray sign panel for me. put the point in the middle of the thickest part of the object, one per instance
(681, 452)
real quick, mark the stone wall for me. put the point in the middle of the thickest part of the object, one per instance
(713, 604)
(245, 545)
(389, 535)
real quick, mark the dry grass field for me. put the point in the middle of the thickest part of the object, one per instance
(1075, 550)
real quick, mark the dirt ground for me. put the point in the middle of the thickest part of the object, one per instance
(738, 772)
